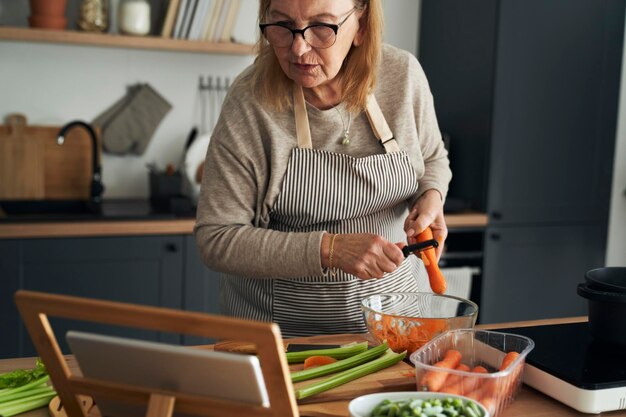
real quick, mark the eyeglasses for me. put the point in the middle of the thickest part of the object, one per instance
(319, 35)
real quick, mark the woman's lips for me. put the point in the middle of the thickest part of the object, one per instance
(304, 67)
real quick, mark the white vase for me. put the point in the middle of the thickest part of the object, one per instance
(134, 17)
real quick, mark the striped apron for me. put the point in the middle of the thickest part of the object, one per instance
(337, 193)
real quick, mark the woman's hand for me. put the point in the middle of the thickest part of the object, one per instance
(427, 211)
(364, 255)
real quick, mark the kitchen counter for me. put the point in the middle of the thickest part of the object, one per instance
(528, 403)
(135, 217)
(116, 218)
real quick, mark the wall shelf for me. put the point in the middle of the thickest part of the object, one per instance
(121, 41)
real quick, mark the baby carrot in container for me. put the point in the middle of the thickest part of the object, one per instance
(453, 382)
(434, 380)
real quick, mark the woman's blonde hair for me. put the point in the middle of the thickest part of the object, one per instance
(359, 70)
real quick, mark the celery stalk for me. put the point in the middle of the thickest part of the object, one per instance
(24, 400)
(24, 390)
(7, 395)
(340, 365)
(28, 393)
(337, 353)
(385, 361)
(22, 407)
(20, 377)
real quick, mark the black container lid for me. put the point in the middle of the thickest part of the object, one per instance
(611, 278)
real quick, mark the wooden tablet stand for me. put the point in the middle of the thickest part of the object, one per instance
(35, 308)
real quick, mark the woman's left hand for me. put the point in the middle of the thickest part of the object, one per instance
(427, 211)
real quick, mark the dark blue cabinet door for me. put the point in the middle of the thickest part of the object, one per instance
(556, 92)
(201, 289)
(532, 272)
(140, 270)
(9, 283)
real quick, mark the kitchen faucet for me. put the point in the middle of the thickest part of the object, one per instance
(96, 179)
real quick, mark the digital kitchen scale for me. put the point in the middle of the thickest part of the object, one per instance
(570, 366)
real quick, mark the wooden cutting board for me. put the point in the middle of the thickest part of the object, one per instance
(400, 377)
(34, 167)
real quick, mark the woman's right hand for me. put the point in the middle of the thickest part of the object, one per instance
(364, 255)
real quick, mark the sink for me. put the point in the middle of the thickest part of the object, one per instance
(30, 207)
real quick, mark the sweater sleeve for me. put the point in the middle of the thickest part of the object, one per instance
(437, 173)
(230, 232)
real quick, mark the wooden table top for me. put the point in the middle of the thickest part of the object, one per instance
(528, 403)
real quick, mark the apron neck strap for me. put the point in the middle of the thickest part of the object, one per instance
(379, 125)
(303, 132)
(374, 115)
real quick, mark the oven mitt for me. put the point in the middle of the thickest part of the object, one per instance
(128, 125)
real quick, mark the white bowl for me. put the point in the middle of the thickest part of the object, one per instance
(362, 406)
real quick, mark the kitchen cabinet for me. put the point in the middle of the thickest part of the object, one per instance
(528, 94)
(163, 271)
(532, 272)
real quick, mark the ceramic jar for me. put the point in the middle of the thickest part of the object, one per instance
(94, 15)
(47, 14)
(134, 17)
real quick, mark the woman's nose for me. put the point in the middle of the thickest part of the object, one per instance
(299, 46)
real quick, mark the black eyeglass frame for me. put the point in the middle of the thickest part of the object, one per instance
(334, 27)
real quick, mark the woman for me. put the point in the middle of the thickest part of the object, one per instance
(326, 159)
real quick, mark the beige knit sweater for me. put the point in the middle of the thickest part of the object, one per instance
(248, 155)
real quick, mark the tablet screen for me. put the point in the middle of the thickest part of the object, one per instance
(220, 375)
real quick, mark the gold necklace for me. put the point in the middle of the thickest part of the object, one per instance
(346, 130)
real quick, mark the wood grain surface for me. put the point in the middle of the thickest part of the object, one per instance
(34, 167)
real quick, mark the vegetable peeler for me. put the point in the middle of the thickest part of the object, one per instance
(419, 247)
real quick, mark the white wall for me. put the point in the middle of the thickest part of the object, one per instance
(402, 23)
(54, 84)
(616, 247)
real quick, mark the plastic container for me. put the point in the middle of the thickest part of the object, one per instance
(610, 279)
(495, 389)
(408, 320)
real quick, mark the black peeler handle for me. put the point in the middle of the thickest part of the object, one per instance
(418, 247)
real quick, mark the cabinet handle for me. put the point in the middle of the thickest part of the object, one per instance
(171, 247)
(494, 236)
(496, 215)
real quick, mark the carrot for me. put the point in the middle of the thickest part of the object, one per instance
(434, 380)
(487, 394)
(511, 381)
(313, 361)
(452, 382)
(467, 384)
(436, 278)
(508, 360)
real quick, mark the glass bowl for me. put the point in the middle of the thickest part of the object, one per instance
(408, 320)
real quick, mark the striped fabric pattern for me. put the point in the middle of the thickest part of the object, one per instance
(340, 194)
